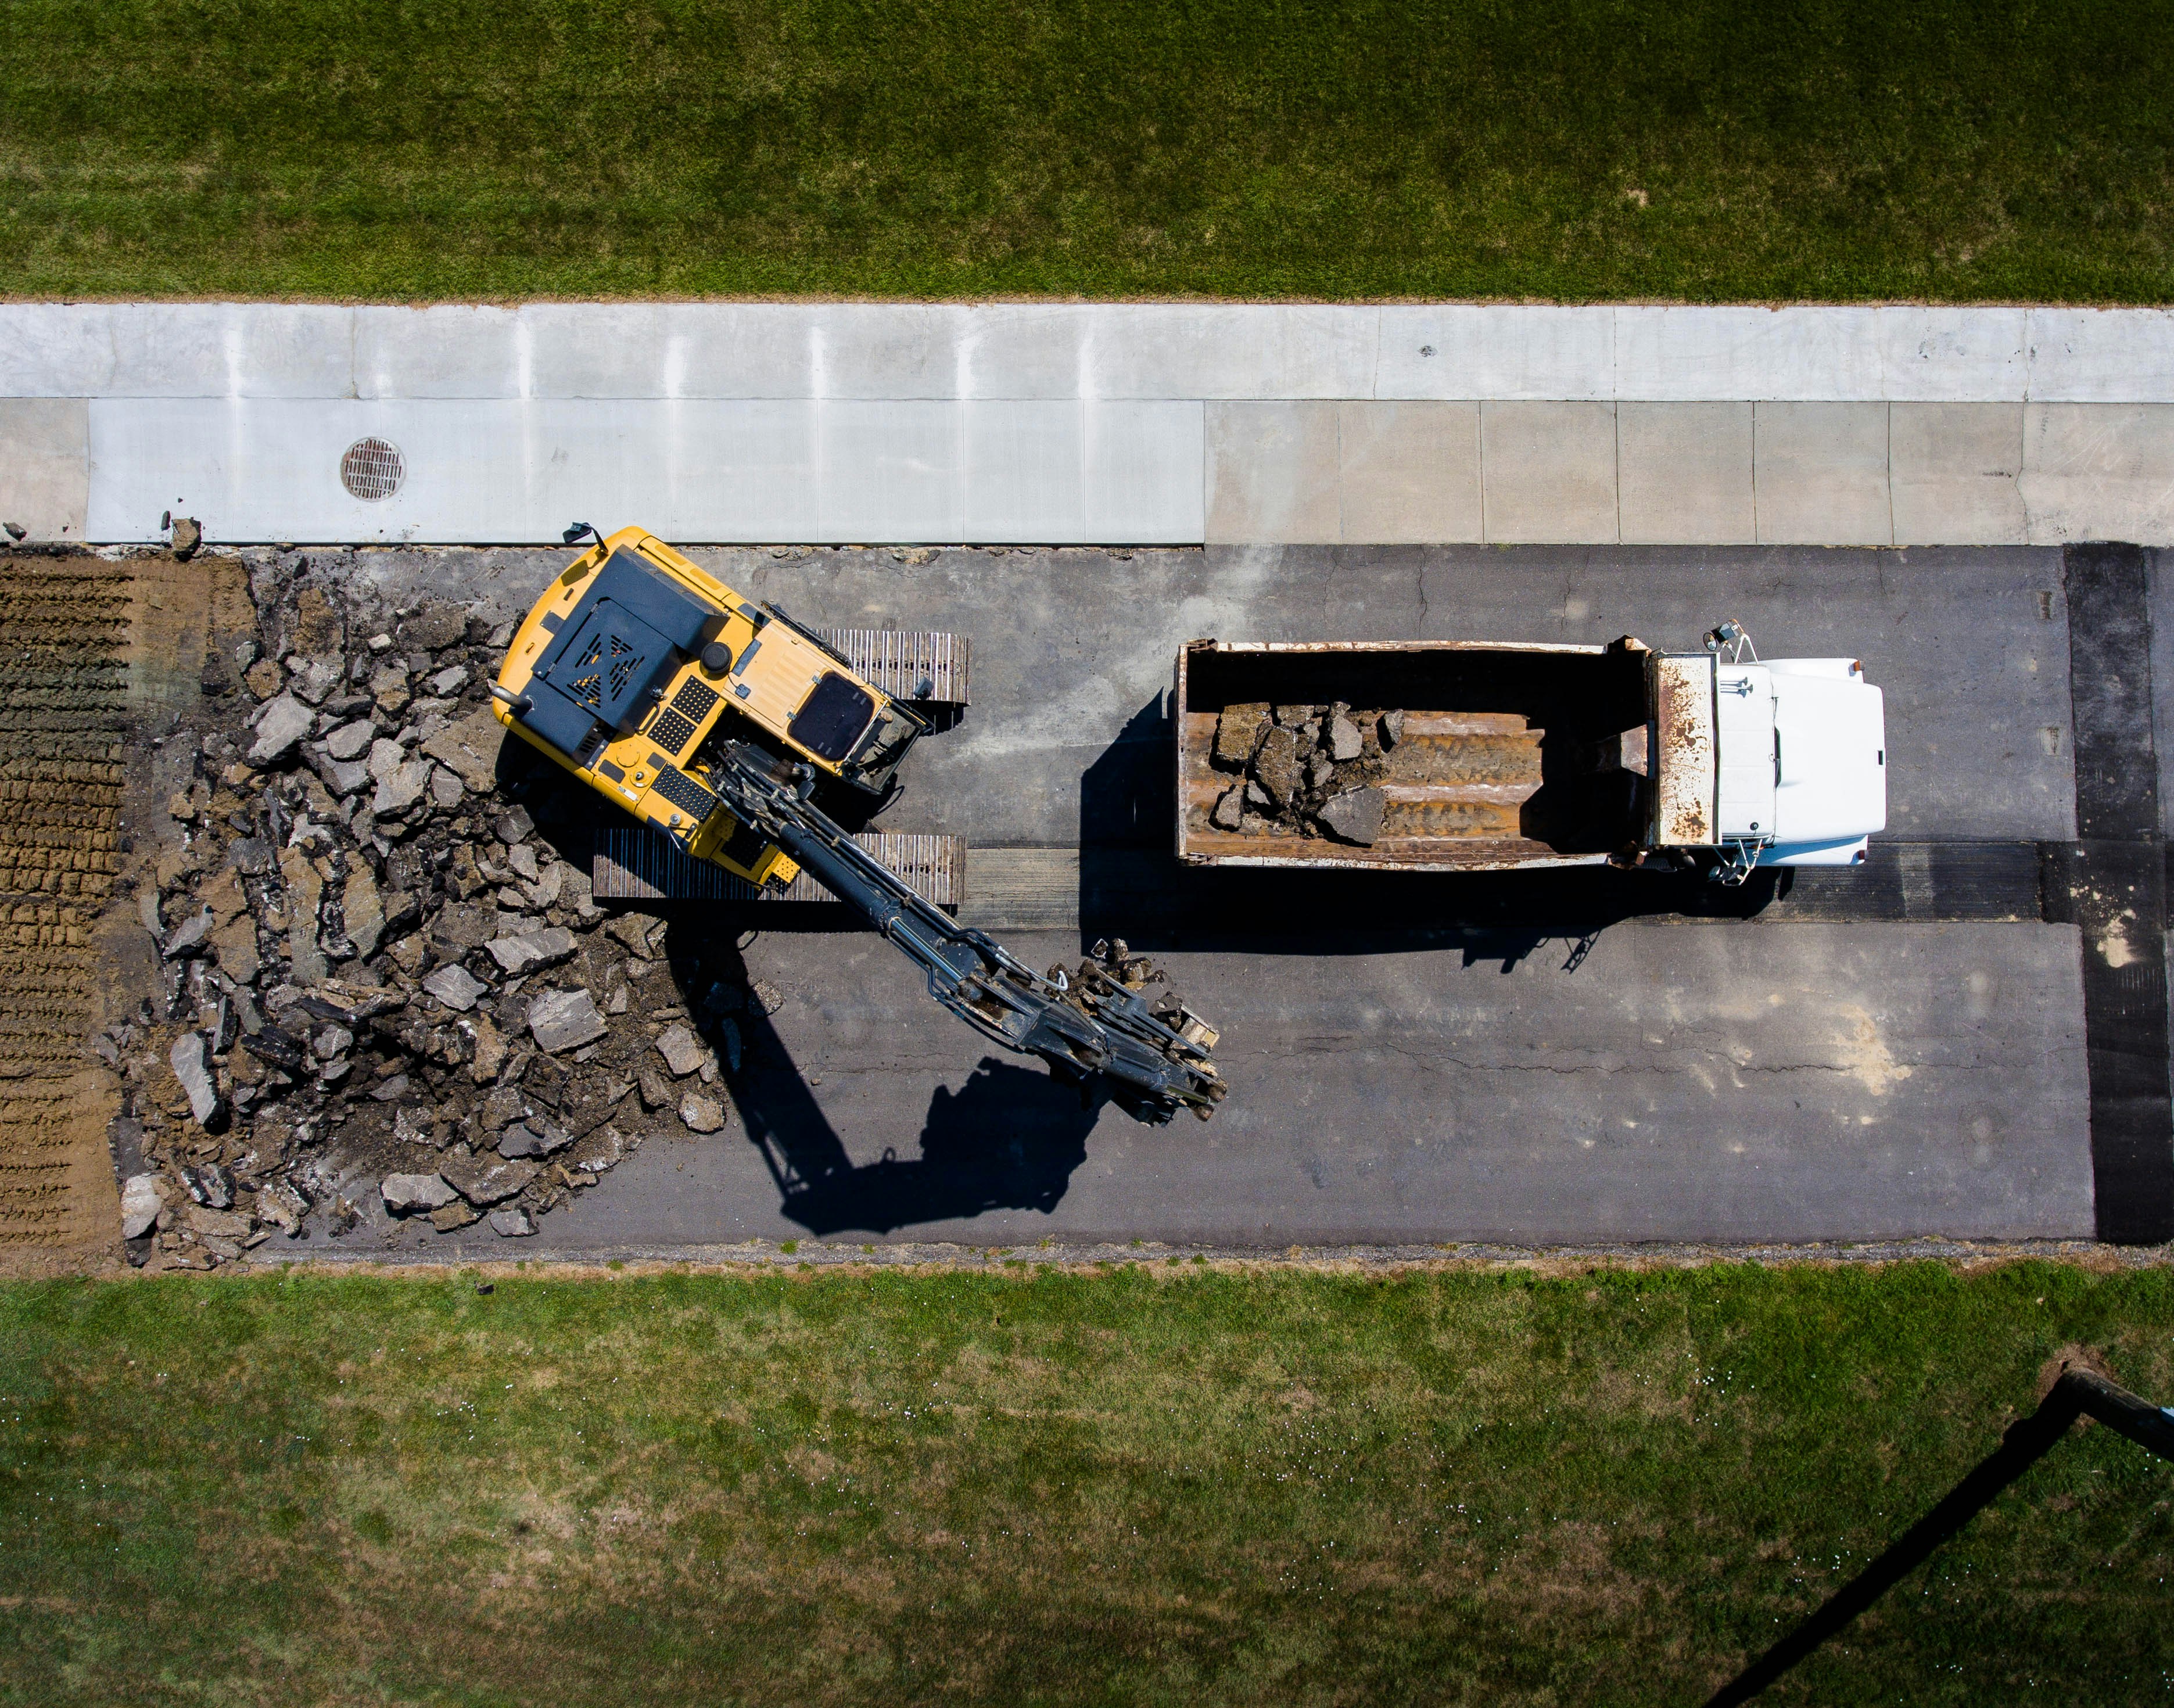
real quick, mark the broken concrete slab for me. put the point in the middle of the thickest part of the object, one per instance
(530, 950)
(351, 741)
(1356, 817)
(281, 725)
(489, 1180)
(140, 1205)
(363, 910)
(1238, 733)
(683, 1053)
(701, 1113)
(535, 1135)
(470, 749)
(400, 790)
(1278, 764)
(456, 987)
(191, 1059)
(404, 1193)
(190, 936)
(561, 1020)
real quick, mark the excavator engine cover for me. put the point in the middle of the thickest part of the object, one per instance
(612, 651)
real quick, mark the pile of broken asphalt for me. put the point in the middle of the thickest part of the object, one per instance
(379, 972)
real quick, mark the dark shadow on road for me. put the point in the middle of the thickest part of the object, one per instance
(1156, 903)
(1009, 1138)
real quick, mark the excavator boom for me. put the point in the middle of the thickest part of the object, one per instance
(1097, 1023)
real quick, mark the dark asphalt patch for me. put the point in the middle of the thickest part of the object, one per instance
(2112, 884)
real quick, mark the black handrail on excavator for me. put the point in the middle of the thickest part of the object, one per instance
(1099, 1022)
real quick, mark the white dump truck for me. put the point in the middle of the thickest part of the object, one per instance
(1465, 756)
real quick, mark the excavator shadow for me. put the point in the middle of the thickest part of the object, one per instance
(1009, 1139)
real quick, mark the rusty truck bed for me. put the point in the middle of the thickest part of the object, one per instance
(1470, 756)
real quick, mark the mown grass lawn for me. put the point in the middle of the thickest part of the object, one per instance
(1155, 1485)
(1698, 150)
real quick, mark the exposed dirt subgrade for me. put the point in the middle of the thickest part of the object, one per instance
(62, 722)
(381, 970)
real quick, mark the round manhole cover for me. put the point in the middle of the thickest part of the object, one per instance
(372, 469)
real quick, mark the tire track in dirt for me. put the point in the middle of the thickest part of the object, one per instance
(63, 711)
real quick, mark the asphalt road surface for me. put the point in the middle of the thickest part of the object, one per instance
(1919, 1048)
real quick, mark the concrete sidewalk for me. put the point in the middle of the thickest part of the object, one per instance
(1083, 423)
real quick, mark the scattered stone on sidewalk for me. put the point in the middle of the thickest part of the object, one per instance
(406, 1193)
(562, 1020)
(701, 1113)
(457, 1214)
(512, 1223)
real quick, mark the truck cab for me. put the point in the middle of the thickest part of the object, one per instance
(1777, 764)
(1475, 755)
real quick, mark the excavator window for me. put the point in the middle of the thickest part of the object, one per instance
(833, 717)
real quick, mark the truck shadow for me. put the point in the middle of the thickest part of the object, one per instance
(1131, 885)
(1009, 1139)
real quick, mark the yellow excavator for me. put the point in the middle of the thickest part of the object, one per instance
(716, 719)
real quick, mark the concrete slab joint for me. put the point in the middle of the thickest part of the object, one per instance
(1133, 423)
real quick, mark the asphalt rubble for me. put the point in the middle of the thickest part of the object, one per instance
(375, 976)
(1304, 770)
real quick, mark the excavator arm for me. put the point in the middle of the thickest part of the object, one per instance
(1098, 1024)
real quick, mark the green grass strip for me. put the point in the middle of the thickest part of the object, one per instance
(1585, 150)
(1157, 1484)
